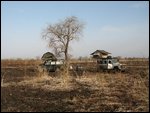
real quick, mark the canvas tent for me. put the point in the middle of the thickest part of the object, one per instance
(100, 54)
(48, 56)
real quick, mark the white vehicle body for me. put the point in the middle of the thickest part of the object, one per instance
(108, 64)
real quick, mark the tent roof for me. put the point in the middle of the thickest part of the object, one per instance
(48, 56)
(101, 51)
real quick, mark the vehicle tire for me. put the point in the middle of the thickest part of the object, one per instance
(116, 69)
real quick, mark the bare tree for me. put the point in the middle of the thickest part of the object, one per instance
(60, 34)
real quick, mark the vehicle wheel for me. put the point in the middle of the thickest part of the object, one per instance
(116, 69)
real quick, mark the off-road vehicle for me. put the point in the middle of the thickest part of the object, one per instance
(109, 63)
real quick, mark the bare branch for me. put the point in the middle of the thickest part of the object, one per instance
(60, 34)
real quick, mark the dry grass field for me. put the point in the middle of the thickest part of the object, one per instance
(25, 89)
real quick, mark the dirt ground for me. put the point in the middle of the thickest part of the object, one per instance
(25, 90)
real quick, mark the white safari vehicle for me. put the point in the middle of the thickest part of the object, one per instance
(52, 66)
(109, 63)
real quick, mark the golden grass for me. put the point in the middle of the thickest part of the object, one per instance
(121, 90)
(126, 92)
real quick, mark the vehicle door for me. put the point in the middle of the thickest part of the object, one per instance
(102, 64)
(110, 64)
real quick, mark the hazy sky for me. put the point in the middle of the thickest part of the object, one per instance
(121, 28)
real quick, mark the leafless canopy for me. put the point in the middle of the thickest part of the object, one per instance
(60, 34)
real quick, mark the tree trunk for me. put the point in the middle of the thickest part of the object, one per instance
(66, 55)
(66, 58)
(66, 50)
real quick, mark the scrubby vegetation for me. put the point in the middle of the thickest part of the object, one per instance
(24, 88)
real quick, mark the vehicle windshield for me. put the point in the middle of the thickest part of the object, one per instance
(114, 60)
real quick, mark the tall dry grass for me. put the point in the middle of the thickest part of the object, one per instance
(126, 92)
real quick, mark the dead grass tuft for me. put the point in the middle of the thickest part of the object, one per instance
(93, 91)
